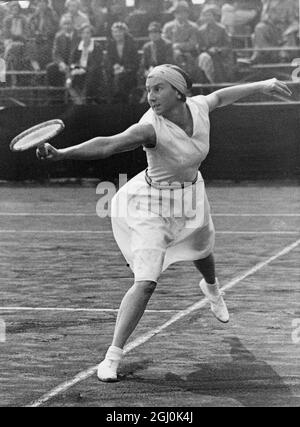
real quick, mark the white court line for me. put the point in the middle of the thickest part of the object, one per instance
(54, 232)
(84, 375)
(260, 233)
(36, 214)
(96, 232)
(76, 310)
(256, 215)
(229, 215)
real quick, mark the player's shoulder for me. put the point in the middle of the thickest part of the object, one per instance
(148, 117)
(149, 126)
(200, 101)
(140, 134)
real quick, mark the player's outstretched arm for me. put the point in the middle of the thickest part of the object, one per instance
(230, 95)
(101, 147)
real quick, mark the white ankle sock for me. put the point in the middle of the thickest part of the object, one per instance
(214, 288)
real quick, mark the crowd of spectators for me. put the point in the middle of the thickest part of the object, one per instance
(63, 38)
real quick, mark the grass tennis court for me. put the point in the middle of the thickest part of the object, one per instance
(62, 279)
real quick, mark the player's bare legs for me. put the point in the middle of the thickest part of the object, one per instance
(210, 287)
(131, 311)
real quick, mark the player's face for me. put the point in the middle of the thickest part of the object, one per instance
(162, 97)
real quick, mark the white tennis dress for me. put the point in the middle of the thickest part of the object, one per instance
(162, 216)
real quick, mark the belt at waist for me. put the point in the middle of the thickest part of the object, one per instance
(168, 186)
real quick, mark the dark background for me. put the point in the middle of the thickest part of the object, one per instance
(247, 142)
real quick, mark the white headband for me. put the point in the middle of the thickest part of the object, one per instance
(172, 76)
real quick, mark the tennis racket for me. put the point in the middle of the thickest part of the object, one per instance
(37, 136)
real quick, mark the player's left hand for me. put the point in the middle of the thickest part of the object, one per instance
(276, 87)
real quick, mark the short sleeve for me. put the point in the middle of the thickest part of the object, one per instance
(149, 119)
(201, 102)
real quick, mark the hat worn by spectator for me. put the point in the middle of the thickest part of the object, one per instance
(154, 27)
(181, 6)
(212, 8)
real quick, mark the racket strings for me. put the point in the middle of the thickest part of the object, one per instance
(37, 135)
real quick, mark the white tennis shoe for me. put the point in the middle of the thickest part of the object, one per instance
(215, 297)
(107, 371)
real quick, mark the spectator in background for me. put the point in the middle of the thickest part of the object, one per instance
(86, 7)
(123, 62)
(3, 11)
(278, 16)
(15, 35)
(17, 59)
(217, 11)
(193, 9)
(240, 17)
(292, 33)
(43, 25)
(183, 34)
(65, 42)
(79, 19)
(146, 12)
(86, 77)
(117, 12)
(138, 21)
(216, 59)
(3, 14)
(15, 27)
(157, 51)
(58, 6)
(228, 17)
(99, 17)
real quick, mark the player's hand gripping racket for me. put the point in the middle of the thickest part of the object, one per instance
(37, 137)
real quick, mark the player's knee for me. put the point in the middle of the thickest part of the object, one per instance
(147, 287)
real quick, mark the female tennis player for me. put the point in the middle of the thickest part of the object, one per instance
(175, 135)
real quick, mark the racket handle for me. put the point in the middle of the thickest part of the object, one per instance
(43, 151)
